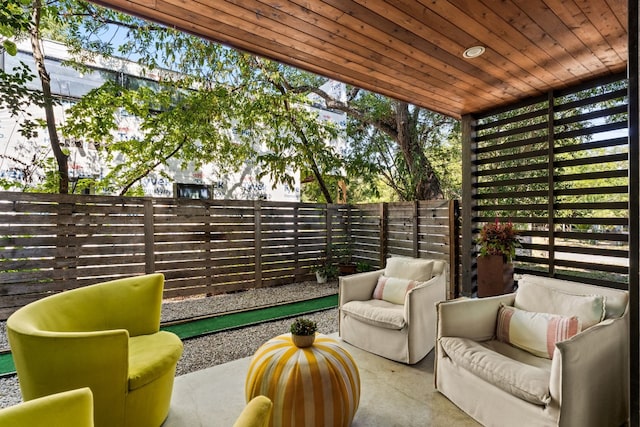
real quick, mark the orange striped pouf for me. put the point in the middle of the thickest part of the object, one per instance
(313, 386)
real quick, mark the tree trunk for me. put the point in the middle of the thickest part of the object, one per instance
(426, 185)
(38, 56)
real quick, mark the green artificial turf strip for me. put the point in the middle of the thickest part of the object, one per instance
(6, 364)
(245, 318)
(225, 321)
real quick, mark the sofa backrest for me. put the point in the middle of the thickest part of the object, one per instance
(616, 300)
(414, 268)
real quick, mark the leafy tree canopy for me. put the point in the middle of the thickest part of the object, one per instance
(218, 105)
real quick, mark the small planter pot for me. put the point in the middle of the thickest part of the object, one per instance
(346, 269)
(321, 278)
(303, 341)
(495, 276)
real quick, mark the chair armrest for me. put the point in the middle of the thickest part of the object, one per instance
(257, 413)
(72, 408)
(596, 361)
(473, 318)
(69, 360)
(358, 287)
(420, 313)
(421, 301)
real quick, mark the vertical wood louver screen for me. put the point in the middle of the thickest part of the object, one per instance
(557, 167)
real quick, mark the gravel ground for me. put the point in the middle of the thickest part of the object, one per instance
(204, 352)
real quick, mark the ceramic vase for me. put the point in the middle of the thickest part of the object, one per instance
(303, 341)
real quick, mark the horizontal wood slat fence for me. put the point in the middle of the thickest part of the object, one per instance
(51, 242)
(557, 166)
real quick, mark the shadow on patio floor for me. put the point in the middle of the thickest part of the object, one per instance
(392, 394)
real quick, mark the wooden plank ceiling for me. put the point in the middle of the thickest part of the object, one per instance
(413, 50)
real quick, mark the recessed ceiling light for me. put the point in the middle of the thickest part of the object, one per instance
(473, 52)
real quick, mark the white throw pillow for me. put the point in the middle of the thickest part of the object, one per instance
(536, 333)
(590, 309)
(393, 289)
(409, 268)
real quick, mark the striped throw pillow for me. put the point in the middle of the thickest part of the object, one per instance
(392, 289)
(536, 333)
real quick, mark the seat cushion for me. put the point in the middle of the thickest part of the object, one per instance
(527, 382)
(152, 355)
(377, 312)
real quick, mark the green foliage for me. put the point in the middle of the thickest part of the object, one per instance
(363, 267)
(303, 326)
(213, 92)
(419, 161)
(498, 238)
(14, 20)
(342, 252)
(182, 130)
(16, 97)
(325, 268)
(51, 181)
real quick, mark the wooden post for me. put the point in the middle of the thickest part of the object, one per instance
(328, 221)
(257, 221)
(296, 250)
(415, 230)
(468, 203)
(634, 210)
(149, 239)
(383, 235)
(349, 239)
(454, 249)
(208, 246)
(551, 185)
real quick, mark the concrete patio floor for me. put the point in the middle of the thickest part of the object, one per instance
(392, 394)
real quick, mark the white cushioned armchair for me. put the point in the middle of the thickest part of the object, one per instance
(391, 312)
(555, 353)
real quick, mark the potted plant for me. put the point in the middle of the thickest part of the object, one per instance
(303, 332)
(363, 267)
(497, 242)
(342, 254)
(325, 270)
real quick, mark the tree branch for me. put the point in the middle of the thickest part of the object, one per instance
(282, 88)
(335, 104)
(150, 169)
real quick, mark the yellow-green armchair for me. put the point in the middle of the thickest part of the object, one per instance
(257, 413)
(106, 337)
(72, 408)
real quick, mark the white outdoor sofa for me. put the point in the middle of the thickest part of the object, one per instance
(499, 383)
